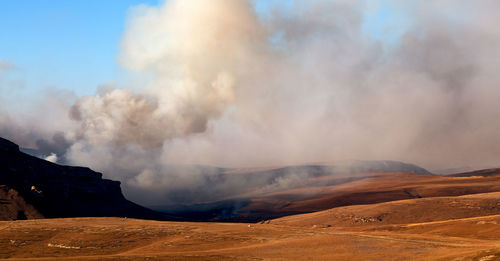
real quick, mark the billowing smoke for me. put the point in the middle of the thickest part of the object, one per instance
(52, 158)
(224, 86)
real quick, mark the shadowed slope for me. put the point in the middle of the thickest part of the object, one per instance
(33, 185)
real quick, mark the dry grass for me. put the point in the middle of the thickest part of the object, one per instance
(302, 237)
(442, 225)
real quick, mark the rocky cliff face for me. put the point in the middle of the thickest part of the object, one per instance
(33, 188)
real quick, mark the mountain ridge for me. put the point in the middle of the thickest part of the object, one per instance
(59, 191)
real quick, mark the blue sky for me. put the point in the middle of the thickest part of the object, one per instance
(64, 44)
(74, 44)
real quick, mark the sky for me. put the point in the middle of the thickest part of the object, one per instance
(73, 45)
(64, 44)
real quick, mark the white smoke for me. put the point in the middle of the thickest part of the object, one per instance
(222, 86)
(52, 158)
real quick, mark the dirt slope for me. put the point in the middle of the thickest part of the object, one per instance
(400, 212)
(14, 207)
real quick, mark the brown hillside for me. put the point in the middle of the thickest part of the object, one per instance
(14, 207)
(401, 212)
(370, 188)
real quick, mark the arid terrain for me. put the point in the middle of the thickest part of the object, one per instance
(381, 210)
(474, 238)
(433, 227)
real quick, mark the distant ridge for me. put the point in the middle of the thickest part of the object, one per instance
(358, 166)
(277, 186)
(482, 172)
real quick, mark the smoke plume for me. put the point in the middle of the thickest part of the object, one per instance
(222, 85)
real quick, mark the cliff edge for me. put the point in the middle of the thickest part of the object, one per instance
(35, 188)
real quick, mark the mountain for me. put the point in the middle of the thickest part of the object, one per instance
(31, 188)
(34, 188)
(254, 194)
(278, 192)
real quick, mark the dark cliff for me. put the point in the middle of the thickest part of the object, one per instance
(59, 191)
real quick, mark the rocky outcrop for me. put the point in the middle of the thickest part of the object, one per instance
(59, 191)
(14, 207)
